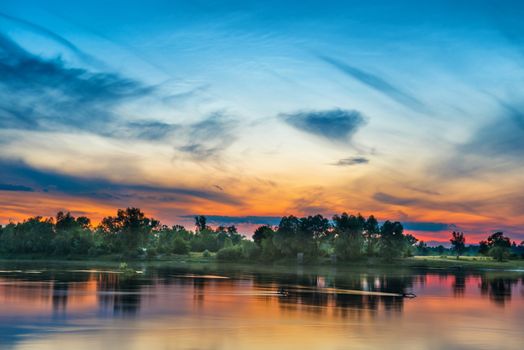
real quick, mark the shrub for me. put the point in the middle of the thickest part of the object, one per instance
(250, 250)
(180, 246)
(230, 253)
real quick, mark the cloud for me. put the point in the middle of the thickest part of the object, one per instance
(53, 36)
(44, 94)
(335, 125)
(209, 137)
(148, 130)
(475, 206)
(428, 226)
(98, 188)
(15, 188)
(236, 220)
(493, 147)
(377, 83)
(351, 161)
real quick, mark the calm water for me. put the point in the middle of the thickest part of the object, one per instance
(217, 307)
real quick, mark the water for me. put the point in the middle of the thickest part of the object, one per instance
(237, 307)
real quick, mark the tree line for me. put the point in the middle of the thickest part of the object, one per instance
(131, 234)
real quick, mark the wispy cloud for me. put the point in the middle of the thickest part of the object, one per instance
(41, 94)
(495, 146)
(209, 137)
(53, 36)
(15, 188)
(336, 125)
(99, 188)
(351, 161)
(377, 83)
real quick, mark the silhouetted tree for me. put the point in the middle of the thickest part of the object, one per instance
(483, 248)
(391, 240)
(200, 223)
(458, 241)
(349, 236)
(261, 233)
(371, 235)
(499, 246)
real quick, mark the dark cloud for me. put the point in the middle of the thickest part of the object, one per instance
(236, 220)
(45, 94)
(377, 83)
(335, 125)
(428, 226)
(15, 188)
(351, 161)
(54, 182)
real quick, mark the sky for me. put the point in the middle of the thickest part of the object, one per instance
(246, 111)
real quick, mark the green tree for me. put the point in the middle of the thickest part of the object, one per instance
(349, 238)
(261, 233)
(458, 242)
(499, 246)
(483, 248)
(131, 227)
(201, 223)
(391, 240)
(371, 235)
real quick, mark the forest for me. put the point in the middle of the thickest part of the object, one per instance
(130, 234)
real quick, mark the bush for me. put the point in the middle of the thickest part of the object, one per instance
(180, 246)
(499, 253)
(250, 250)
(230, 253)
(206, 254)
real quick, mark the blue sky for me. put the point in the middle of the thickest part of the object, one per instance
(412, 110)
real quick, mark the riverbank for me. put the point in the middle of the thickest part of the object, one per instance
(417, 262)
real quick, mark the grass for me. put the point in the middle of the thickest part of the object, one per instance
(464, 262)
(425, 262)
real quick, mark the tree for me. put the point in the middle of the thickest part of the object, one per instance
(262, 233)
(422, 248)
(131, 227)
(458, 241)
(286, 237)
(349, 238)
(391, 240)
(483, 248)
(371, 235)
(410, 244)
(200, 223)
(499, 246)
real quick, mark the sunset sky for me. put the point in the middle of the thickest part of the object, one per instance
(412, 111)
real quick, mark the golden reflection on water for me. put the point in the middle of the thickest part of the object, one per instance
(184, 309)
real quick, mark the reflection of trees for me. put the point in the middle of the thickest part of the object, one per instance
(497, 288)
(459, 284)
(118, 293)
(310, 291)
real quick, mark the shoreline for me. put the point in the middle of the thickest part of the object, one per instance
(447, 263)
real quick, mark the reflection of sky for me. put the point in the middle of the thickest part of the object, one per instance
(411, 111)
(173, 306)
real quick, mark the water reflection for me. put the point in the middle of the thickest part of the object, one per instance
(60, 297)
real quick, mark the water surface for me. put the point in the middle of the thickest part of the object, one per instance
(72, 306)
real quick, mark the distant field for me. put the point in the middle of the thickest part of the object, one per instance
(463, 262)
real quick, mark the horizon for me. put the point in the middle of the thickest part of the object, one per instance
(234, 109)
